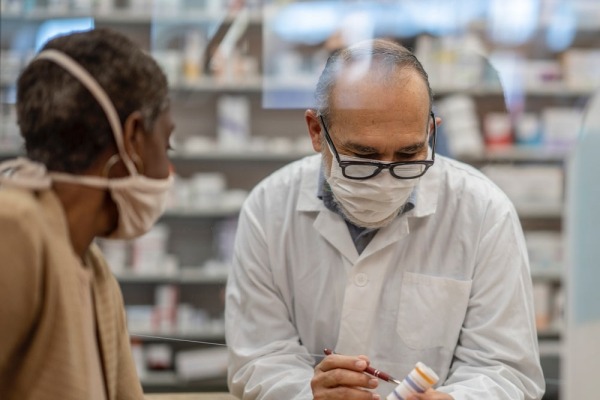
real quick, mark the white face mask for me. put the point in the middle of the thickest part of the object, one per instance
(370, 203)
(140, 200)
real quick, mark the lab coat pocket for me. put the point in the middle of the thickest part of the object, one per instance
(431, 310)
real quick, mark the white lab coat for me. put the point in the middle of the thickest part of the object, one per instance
(447, 284)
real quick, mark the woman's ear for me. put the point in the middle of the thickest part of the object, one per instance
(134, 134)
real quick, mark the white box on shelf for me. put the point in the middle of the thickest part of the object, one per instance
(561, 125)
(139, 318)
(206, 191)
(159, 356)
(497, 129)
(116, 254)
(149, 250)
(201, 364)
(545, 252)
(581, 68)
(461, 126)
(538, 189)
(164, 317)
(233, 125)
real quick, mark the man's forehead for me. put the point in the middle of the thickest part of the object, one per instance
(362, 90)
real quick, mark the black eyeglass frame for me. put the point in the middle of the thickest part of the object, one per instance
(381, 166)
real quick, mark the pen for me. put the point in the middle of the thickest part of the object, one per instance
(372, 371)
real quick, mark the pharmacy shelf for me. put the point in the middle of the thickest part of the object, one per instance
(129, 16)
(256, 85)
(586, 19)
(510, 154)
(526, 154)
(217, 212)
(539, 211)
(5, 155)
(549, 334)
(213, 336)
(547, 89)
(550, 348)
(163, 378)
(251, 84)
(243, 155)
(153, 380)
(546, 274)
(188, 276)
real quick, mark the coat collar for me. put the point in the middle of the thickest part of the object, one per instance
(333, 228)
(107, 336)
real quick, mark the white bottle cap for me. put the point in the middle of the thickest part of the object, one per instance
(418, 380)
(426, 373)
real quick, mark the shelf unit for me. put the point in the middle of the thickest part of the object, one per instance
(195, 100)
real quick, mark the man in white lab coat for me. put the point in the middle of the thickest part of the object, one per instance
(379, 248)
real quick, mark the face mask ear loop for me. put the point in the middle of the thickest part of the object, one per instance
(109, 164)
(96, 90)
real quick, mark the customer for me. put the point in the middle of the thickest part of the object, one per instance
(94, 113)
(381, 248)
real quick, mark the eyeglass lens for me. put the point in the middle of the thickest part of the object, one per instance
(366, 170)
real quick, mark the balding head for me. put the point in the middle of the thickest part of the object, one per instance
(375, 60)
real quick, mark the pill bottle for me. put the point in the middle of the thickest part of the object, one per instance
(418, 380)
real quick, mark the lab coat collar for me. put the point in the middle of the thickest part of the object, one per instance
(333, 228)
(308, 200)
(330, 225)
(427, 197)
(429, 190)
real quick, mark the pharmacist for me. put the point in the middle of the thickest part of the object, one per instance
(378, 247)
(91, 171)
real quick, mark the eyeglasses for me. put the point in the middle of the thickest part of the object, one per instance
(361, 170)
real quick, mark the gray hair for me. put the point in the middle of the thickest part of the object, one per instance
(63, 125)
(389, 55)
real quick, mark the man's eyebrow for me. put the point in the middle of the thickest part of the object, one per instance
(359, 148)
(413, 148)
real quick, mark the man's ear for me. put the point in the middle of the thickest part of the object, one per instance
(134, 134)
(314, 129)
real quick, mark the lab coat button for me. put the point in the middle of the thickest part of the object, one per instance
(361, 279)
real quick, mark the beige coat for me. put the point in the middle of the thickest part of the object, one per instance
(46, 299)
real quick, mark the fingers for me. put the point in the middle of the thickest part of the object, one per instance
(342, 377)
(346, 362)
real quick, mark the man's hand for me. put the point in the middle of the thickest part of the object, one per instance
(430, 394)
(342, 377)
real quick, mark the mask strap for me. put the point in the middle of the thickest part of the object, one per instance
(96, 90)
(22, 172)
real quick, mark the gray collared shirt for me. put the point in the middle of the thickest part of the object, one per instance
(360, 236)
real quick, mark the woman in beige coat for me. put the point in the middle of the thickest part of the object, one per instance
(94, 113)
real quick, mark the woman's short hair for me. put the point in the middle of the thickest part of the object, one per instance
(63, 125)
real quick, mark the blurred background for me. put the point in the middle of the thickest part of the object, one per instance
(511, 79)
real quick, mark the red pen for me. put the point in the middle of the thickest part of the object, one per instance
(372, 371)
